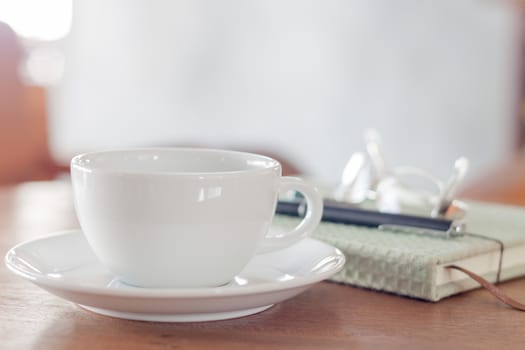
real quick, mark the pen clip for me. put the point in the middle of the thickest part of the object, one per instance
(455, 229)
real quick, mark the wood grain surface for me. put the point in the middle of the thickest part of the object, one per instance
(327, 316)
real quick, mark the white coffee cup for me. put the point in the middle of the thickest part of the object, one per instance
(178, 217)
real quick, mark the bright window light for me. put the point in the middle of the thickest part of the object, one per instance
(37, 19)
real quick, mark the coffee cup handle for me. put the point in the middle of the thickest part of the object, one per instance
(314, 212)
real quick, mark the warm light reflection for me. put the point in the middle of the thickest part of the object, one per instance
(36, 19)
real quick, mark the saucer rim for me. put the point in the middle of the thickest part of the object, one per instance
(179, 293)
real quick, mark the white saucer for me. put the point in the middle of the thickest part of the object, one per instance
(64, 265)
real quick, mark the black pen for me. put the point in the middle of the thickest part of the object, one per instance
(344, 213)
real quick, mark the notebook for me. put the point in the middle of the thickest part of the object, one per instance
(415, 265)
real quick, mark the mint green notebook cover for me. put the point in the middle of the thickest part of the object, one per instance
(415, 265)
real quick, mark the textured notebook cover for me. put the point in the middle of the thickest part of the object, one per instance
(408, 264)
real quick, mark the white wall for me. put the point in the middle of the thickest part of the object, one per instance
(436, 78)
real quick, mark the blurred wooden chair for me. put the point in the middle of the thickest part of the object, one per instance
(24, 147)
(505, 184)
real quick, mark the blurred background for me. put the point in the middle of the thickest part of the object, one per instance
(297, 80)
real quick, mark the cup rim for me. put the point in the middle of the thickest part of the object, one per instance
(79, 162)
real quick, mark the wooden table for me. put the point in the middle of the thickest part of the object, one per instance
(327, 316)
